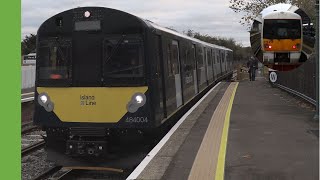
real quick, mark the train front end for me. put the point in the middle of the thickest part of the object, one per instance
(281, 41)
(91, 80)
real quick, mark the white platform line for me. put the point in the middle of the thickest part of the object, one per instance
(137, 171)
(27, 99)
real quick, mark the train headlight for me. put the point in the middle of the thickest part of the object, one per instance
(139, 98)
(44, 101)
(137, 101)
(267, 46)
(49, 107)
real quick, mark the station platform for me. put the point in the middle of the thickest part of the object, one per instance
(244, 130)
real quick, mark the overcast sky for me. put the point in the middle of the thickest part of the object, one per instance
(211, 17)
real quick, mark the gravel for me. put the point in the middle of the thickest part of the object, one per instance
(27, 110)
(34, 164)
(31, 138)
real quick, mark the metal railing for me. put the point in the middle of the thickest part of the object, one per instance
(300, 81)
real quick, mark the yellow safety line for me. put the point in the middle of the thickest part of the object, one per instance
(224, 139)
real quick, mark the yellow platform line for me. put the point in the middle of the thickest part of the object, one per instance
(224, 139)
(205, 163)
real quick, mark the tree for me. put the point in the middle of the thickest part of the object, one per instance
(28, 45)
(189, 33)
(252, 8)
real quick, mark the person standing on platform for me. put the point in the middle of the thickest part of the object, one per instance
(252, 64)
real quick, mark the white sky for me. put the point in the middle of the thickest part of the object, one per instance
(212, 17)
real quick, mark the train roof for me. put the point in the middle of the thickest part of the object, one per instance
(285, 8)
(279, 7)
(158, 27)
(282, 15)
(145, 22)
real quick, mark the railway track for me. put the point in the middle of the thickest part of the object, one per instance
(27, 97)
(29, 129)
(93, 173)
(31, 138)
(32, 147)
(48, 173)
(65, 173)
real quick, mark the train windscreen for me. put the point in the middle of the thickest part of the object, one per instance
(124, 57)
(54, 62)
(282, 29)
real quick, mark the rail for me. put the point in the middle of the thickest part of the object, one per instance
(296, 93)
(32, 148)
(301, 81)
(23, 100)
(29, 129)
(48, 173)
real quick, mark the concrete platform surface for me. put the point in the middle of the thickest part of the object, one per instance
(269, 136)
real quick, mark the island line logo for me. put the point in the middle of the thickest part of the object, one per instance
(86, 100)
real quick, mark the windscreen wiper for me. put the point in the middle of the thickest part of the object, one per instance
(115, 49)
(134, 67)
(60, 50)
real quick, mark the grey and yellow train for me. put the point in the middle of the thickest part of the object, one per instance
(102, 71)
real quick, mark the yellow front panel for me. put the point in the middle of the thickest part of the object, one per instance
(91, 104)
(282, 44)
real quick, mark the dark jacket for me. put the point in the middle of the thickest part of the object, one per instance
(252, 64)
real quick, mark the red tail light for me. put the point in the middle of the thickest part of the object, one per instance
(55, 76)
(267, 46)
(294, 46)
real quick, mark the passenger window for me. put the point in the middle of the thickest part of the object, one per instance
(222, 57)
(200, 60)
(189, 62)
(193, 55)
(175, 58)
(169, 60)
(209, 57)
(213, 57)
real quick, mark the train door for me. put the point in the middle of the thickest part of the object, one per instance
(176, 71)
(195, 77)
(220, 62)
(223, 63)
(201, 67)
(214, 69)
(206, 65)
(159, 78)
(226, 61)
(209, 66)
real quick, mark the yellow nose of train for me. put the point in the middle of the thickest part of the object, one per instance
(92, 104)
(282, 45)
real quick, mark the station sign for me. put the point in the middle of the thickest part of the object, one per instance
(29, 59)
